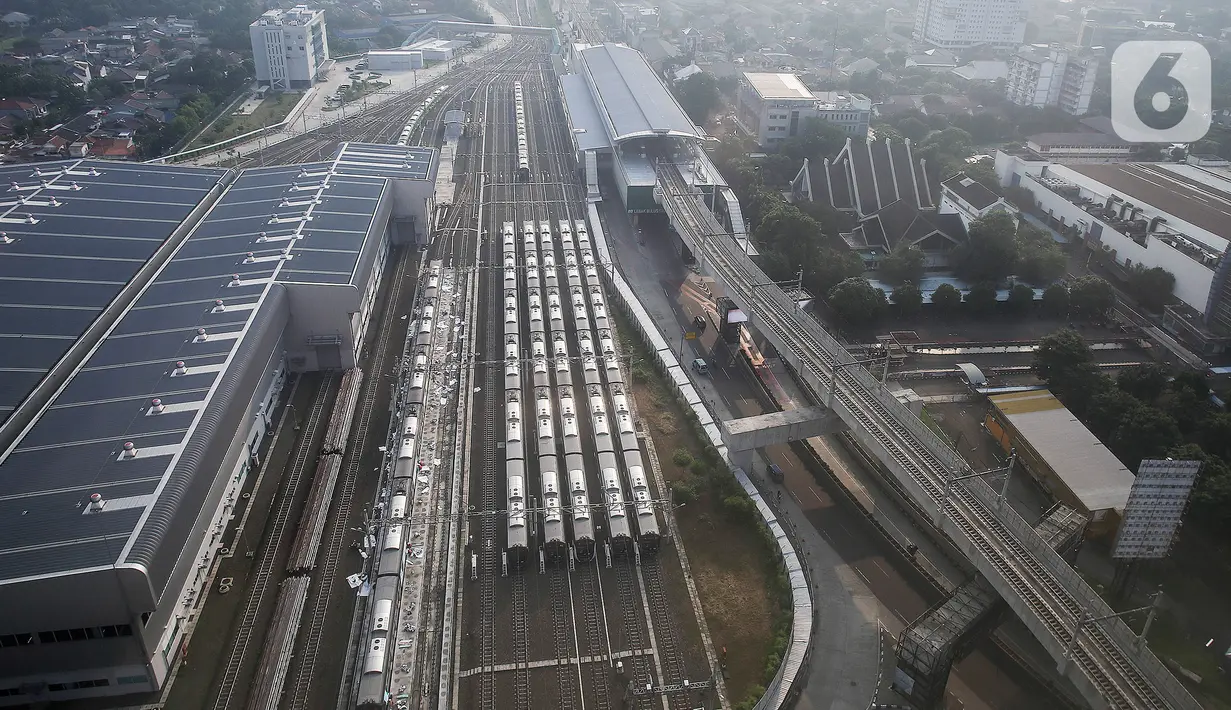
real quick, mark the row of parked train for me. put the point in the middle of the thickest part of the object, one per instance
(392, 540)
(417, 116)
(523, 145)
(561, 453)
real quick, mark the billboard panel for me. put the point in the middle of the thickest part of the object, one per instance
(1155, 506)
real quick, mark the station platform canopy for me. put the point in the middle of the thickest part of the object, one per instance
(630, 99)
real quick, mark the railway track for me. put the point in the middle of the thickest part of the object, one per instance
(1036, 576)
(489, 537)
(380, 124)
(276, 534)
(318, 604)
(590, 604)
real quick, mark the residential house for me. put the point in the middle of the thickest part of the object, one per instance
(158, 99)
(864, 65)
(16, 20)
(982, 71)
(8, 127)
(970, 200)
(113, 147)
(932, 59)
(24, 109)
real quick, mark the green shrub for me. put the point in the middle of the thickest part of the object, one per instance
(681, 458)
(683, 492)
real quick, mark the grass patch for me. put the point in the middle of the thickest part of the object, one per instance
(735, 564)
(272, 110)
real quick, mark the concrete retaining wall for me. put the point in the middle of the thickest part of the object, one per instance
(786, 685)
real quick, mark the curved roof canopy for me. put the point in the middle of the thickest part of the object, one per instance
(630, 96)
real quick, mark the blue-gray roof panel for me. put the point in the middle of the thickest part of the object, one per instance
(632, 96)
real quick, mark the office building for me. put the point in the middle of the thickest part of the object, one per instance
(958, 24)
(774, 107)
(1053, 75)
(289, 47)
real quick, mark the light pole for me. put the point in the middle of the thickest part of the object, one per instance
(833, 379)
(1085, 620)
(294, 415)
(1000, 496)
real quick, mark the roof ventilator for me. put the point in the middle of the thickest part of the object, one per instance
(250, 258)
(130, 450)
(180, 369)
(97, 502)
(74, 186)
(156, 406)
(54, 202)
(93, 173)
(260, 238)
(30, 219)
(202, 336)
(5, 238)
(234, 280)
(286, 252)
(219, 306)
(44, 183)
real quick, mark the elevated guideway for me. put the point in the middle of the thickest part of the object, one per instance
(1094, 649)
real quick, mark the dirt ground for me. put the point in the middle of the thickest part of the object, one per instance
(728, 564)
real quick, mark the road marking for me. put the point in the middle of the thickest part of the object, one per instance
(882, 569)
(865, 579)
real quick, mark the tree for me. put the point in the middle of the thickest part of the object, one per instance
(902, 265)
(981, 298)
(857, 301)
(908, 298)
(1147, 383)
(1151, 288)
(1060, 354)
(1144, 432)
(1215, 435)
(1021, 298)
(1040, 259)
(913, 128)
(1211, 499)
(946, 298)
(1106, 410)
(1091, 296)
(1056, 300)
(698, 96)
(990, 250)
(815, 141)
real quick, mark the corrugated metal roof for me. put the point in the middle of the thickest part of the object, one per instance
(274, 225)
(584, 119)
(1080, 461)
(630, 95)
(74, 234)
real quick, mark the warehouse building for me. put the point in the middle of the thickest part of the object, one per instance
(395, 59)
(1062, 455)
(153, 316)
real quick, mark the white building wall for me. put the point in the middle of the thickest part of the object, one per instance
(289, 47)
(1192, 279)
(956, 24)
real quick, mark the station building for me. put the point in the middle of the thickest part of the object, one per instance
(624, 121)
(1064, 457)
(153, 314)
